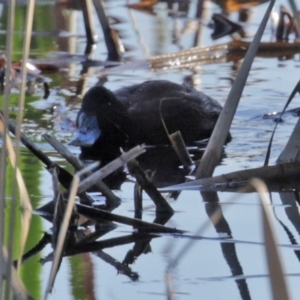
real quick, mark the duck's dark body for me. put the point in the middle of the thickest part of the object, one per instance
(182, 108)
(133, 115)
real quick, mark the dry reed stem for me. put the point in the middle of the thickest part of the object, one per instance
(109, 168)
(293, 142)
(278, 284)
(64, 227)
(9, 51)
(17, 285)
(212, 154)
(291, 151)
(176, 140)
(179, 146)
(277, 178)
(24, 196)
(25, 55)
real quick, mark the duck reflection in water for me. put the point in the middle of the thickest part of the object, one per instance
(133, 115)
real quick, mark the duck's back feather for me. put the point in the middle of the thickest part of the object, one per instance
(181, 107)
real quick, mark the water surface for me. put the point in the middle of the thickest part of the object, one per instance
(213, 267)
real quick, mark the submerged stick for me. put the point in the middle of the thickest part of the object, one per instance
(120, 267)
(112, 200)
(109, 243)
(42, 243)
(79, 248)
(142, 179)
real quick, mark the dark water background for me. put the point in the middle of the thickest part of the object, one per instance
(211, 269)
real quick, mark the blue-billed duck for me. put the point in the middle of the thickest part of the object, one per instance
(108, 121)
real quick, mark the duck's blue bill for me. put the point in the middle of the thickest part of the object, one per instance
(88, 131)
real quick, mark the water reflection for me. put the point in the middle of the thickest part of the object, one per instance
(204, 67)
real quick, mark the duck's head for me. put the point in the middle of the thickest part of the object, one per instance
(101, 117)
(88, 131)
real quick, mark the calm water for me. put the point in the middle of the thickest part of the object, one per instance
(212, 268)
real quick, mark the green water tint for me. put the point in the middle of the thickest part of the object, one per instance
(43, 22)
(31, 269)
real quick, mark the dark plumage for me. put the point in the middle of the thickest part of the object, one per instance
(132, 115)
